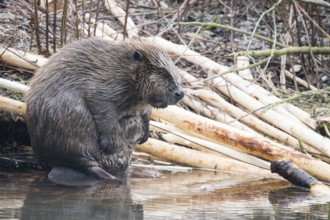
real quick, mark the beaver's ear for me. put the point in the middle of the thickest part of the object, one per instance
(137, 56)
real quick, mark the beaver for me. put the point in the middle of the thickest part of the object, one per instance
(90, 104)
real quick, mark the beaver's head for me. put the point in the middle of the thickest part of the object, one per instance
(158, 80)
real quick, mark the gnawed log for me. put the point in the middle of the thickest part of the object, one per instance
(216, 147)
(195, 158)
(242, 140)
(299, 177)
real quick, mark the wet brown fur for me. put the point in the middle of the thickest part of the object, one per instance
(91, 103)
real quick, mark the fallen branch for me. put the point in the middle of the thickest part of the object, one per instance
(228, 27)
(317, 2)
(299, 80)
(285, 51)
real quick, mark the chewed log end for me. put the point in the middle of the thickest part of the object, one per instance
(299, 177)
(292, 173)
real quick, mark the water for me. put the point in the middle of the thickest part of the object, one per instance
(153, 194)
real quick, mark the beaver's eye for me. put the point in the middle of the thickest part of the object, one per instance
(137, 56)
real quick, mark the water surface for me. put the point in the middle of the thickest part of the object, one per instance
(154, 194)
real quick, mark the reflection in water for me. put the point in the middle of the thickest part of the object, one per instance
(101, 201)
(44, 200)
(297, 203)
(163, 196)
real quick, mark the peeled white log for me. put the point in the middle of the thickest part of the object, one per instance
(182, 155)
(244, 62)
(217, 147)
(13, 106)
(174, 139)
(242, 140)
(254, 122)
(184, 52)
(299, 80)
(302, 115)
(14, 86)
(191, 80)
(249, 119)
(266, 98)
(303, 133)
(215, 114)
(21, 59)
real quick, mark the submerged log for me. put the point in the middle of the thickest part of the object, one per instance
(299, 177)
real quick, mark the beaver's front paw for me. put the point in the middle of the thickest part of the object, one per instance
(144, 138)
(103, 141)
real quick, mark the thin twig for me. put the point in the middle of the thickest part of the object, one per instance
(227, 27)
(262, 15)
(36, 25)
(54, 27)
(97, 15)
(317, 2)
(47, 30)
(286, 100)
(63, 22)
(126, 17)
(285, 51)
(238, 69)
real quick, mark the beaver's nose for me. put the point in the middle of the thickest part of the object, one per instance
(178, 93)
